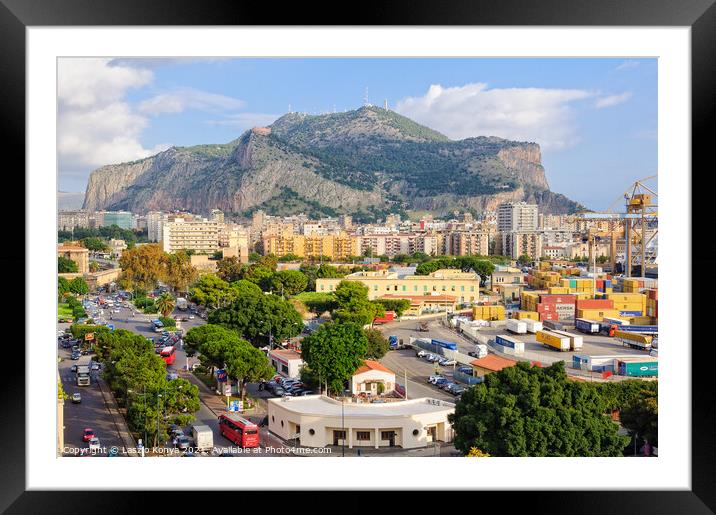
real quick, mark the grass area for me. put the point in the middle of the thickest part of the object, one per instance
(64, 311)
(314, 296)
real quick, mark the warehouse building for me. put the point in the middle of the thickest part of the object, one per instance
(320, 421)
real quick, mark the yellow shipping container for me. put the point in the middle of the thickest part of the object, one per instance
(635, 337)
(627, 297)
(523, 315)
(488, 312)
(640, 320)
(597, 314)
(556, 290)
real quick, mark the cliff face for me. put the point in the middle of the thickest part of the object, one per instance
(367, 161)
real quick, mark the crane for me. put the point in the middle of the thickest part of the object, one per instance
(640, 225)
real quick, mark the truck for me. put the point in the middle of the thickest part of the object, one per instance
(393, 342)
(388, 317)
(553, 340)
(634, 340)
(203, 437)
(479, 352)
(586, 326)
(575, 341)
(181, 303)
(83, 372)
(516, 326)
(422, 327)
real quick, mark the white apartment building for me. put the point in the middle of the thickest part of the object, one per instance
(517, 216)
(201, 236)
(68, 220)
(155, 220)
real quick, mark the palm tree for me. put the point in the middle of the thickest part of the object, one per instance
(165, 304)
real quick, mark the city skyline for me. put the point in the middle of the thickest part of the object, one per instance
(597, 116)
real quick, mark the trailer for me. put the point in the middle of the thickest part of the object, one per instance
(553, 340)
(644, 329)
(444, 344)
(641, 368)
(575, 341)
(510, 343)
(532, 325)
(634, 340)
(586, 326)
(516, 326)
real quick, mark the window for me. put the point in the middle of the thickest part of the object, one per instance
(387, 435)
(363, 435)
(404, 288)
(340, 435)
(462, 288)
(284, 369)
(322, 287)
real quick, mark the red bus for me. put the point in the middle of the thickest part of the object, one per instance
(242, 432)
(168, 354)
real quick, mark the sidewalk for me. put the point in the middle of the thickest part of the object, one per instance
(117, 418)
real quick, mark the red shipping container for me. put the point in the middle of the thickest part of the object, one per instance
(545, 308)
(557, 299)
(595, 304)
(548, 316)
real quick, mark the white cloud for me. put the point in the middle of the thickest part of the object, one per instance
(95, 125)
(524, 114)
(612, 100)
(243, 121)
(626, 65)
(188, 98)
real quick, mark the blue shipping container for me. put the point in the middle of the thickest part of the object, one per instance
(631, 313)
(647, 329)
(505, 341)
(444, 344)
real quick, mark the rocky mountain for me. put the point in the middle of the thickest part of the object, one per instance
(366, 162)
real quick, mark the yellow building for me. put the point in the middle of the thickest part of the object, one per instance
(464, 286)
(79, 255)
(335, 246)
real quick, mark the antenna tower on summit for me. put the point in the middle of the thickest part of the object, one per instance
(289, 109)
(365, 98)
(385, 105)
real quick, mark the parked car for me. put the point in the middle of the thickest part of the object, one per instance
(75, 356)
(96, 365)
(76, 398)
(87, 434)
(420, 353)
(440, 382)
(447, 362)
(447, 384)
(432, 379)
(278, 391)
(466, 370)
(94, 444)
(183, 443)
(73, 369)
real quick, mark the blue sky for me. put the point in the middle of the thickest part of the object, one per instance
(595, 119)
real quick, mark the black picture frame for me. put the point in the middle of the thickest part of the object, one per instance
(699, 15)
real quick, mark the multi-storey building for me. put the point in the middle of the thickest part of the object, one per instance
(469, 243)
(334, 246)
(201, 236)
(69, 220)
(464, 286)
(155, 219)
(516, 216)
(516, 244)
(74, 252)
(122, 219)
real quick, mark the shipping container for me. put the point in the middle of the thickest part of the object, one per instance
(595, 304)
(552, 324)
(516, 326)
(646, 329)
(510, 343)
(586, 326)
(616, 321)
(444, 344)
(646, 368)
(527, 315)
(553, 340)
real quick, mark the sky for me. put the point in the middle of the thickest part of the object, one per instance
(595, 119)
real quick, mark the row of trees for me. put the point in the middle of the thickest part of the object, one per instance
(94, 239)
(77, 286)
(481, 265)
(138, 378)
(143, 266)
(526, 410)
(221, 347)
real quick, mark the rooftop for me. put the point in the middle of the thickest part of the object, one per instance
(493, 362)
(325, 406)
(286, 353)
(369, 365)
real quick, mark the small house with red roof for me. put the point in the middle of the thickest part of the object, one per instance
(372, 378)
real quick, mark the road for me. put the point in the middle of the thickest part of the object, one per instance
(91, 412)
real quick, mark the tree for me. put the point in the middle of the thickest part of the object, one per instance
(93, 266)
(211, 291)
(476, 453)
(397, 305)
(142, 267)
(255, 317)
(246, 363)
(334, 352)
(230, 269)
(353, 304)
(63, 286)
(524, 259)
(260, 276)
(533, 411)
(268, 261)
(79, 286)
(66, 266)
(198, 336)
(378, 344)
(289, 282)
(94, 244)
(168, 321)
(641, 416)
(165, 304)
(178, 271)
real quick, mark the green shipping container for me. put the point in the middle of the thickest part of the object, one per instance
(639, 369)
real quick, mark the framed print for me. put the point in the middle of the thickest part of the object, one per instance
(415, 240)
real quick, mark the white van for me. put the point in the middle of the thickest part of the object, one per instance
(203, 437)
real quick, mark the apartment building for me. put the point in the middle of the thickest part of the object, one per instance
(335, 246)
(464, 286)
(69, 220)
(517, 216)
(200, 235)
(468, 243)
(516, 244)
